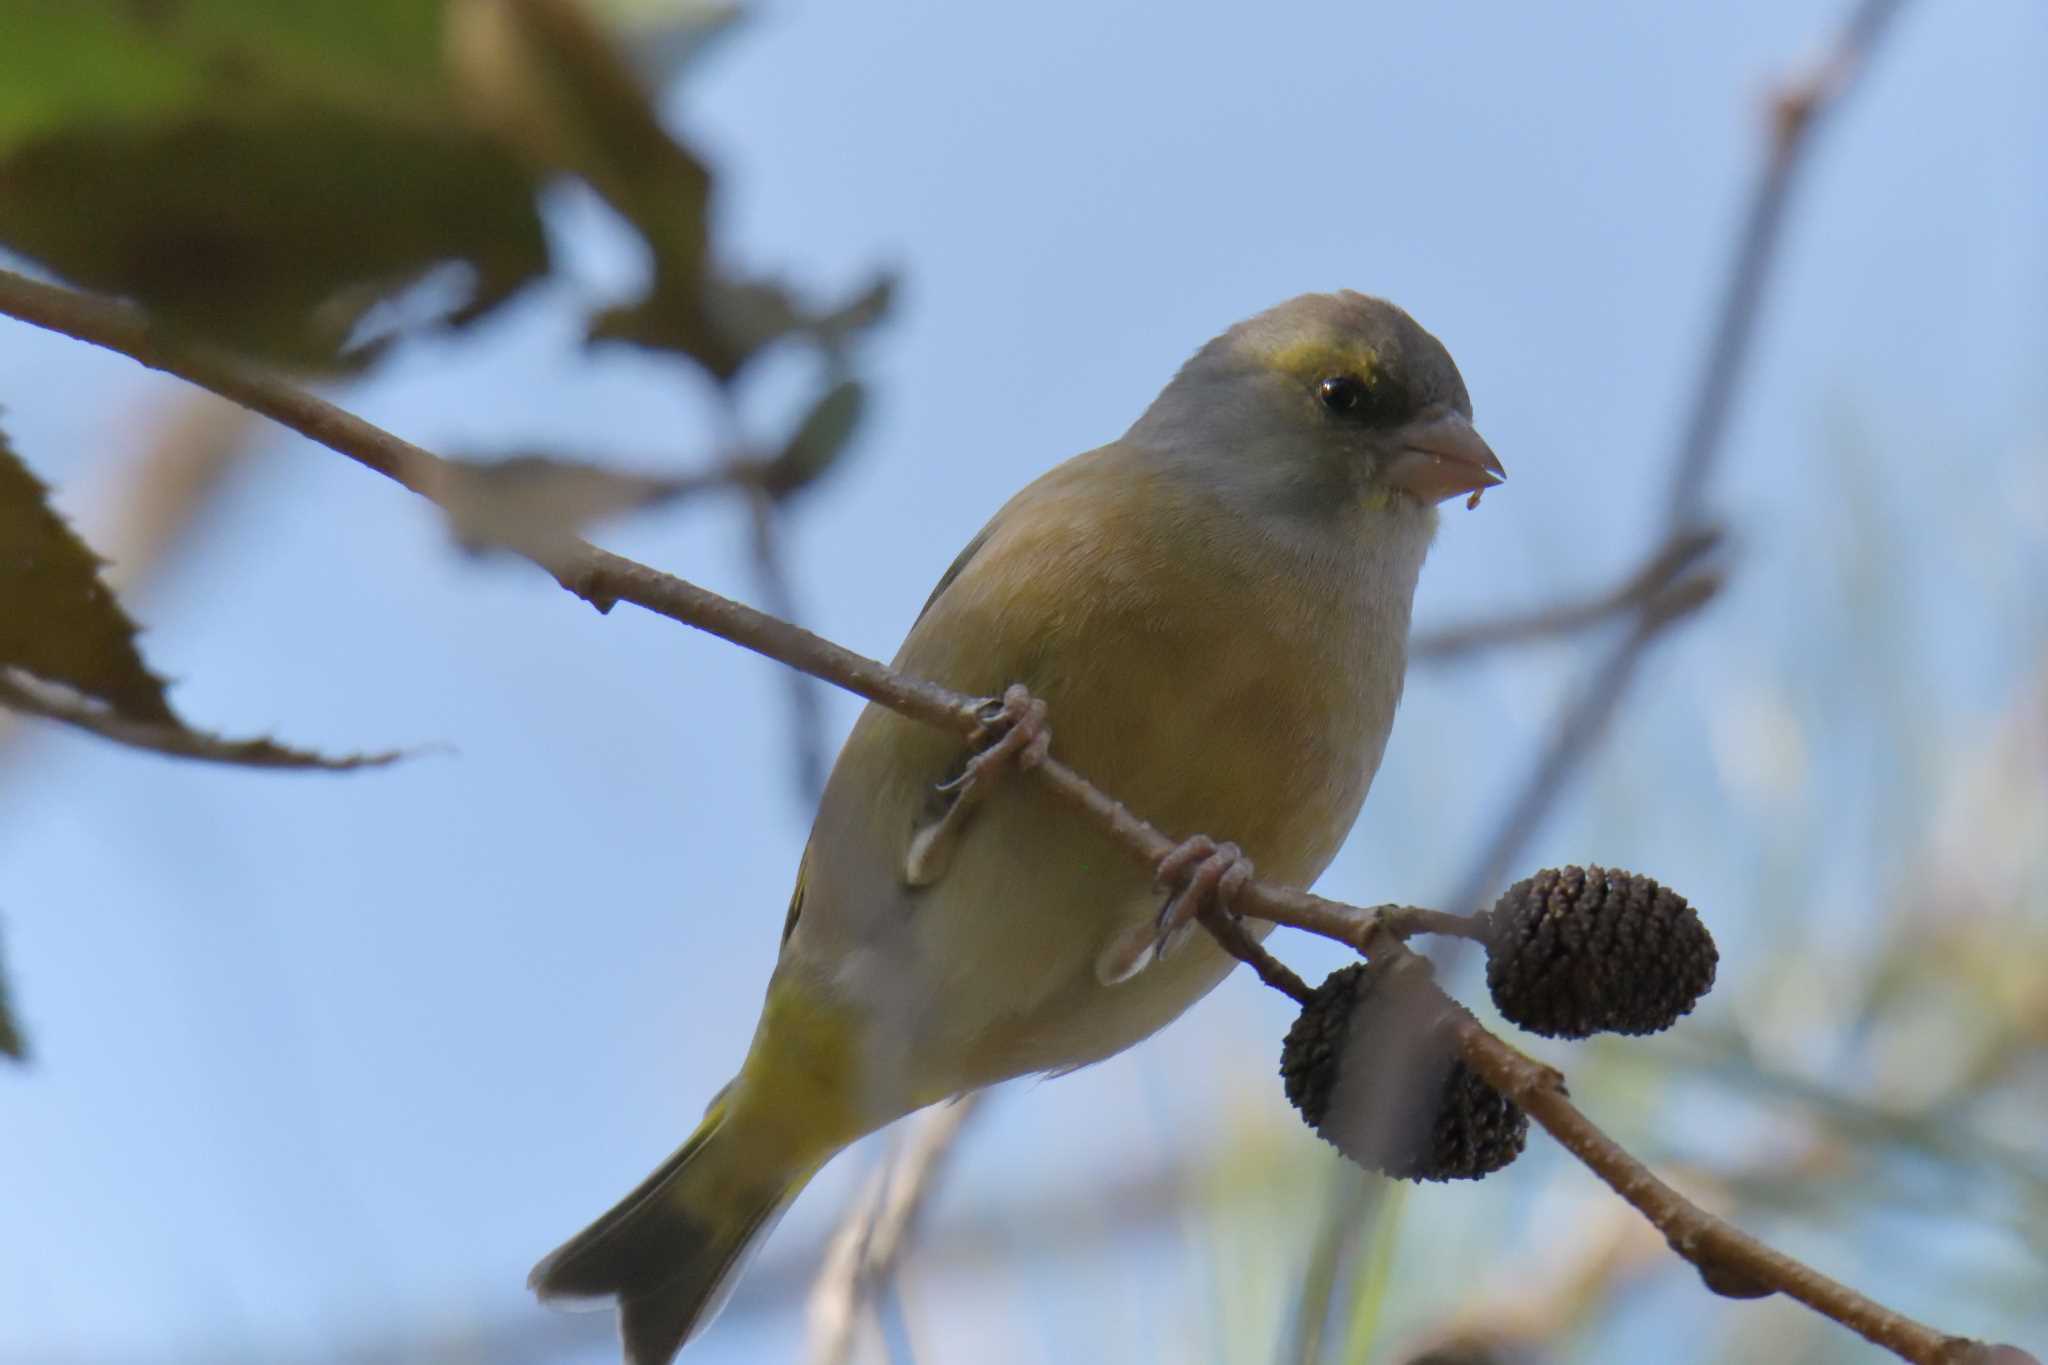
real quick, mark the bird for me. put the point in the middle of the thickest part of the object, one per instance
(1207, 617)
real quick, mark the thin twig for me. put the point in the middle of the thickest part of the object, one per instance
(24, 693)
(1729, 1260)
(1571, 739)
(873, 1237)
(806, 702)
(749, 472)
(832, 1314)
(1406, 921)
(1648, 580)
(1797, 110)
(1355, 1199)
(1229, 931)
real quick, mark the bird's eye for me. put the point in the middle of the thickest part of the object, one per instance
(1343, 393)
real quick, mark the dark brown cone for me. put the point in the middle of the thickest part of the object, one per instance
(1574, 951)
(1385, 1047)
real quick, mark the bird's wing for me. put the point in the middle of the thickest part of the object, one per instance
(959, 563)
(796, 897)
(953, 571)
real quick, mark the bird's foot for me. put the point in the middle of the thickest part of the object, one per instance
(1013, 734)
(1197, 874)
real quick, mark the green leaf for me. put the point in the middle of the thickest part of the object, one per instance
(717, 323)
(275, 231)
(724, 324)
(261, 174)
(549, 80)
(835, 327)
(11, 1042)
(68, 652)
(57, 619)
(664, 37)
(66, 63)
(819, 439)
(106, 63)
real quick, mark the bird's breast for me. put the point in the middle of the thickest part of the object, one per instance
(1214, 682)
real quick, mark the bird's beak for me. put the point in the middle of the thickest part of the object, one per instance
(1441, 457)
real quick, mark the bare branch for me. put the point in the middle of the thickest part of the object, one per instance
(1229, 931)
(806, 702)
(874, 1235)
(1730, 1261)
(1650, 580)
(28, 695)
(1798, 108)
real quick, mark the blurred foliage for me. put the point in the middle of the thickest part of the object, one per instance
(261, 177)
(62, 623)
(260, 174)
(816, 442)
(280, 181)
(265, 176)
(68, 650)
(11, 1041)
(543, 75)
(539, 502)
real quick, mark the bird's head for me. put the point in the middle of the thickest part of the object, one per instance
(1327, 396)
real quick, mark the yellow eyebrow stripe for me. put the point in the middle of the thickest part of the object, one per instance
(1313, 360)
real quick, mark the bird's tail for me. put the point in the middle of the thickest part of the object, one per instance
(671, 1250)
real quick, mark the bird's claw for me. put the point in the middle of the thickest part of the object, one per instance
(1197, 874)
(1012, 733)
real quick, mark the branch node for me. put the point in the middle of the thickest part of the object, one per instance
(1725, 1278)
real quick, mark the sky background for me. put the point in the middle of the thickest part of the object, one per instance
(323, 1064)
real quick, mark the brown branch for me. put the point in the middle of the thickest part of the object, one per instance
(604, 578)
(1229, 931)
(755, 477)
(1571, 740)
(806, 700)
(1406, 921)
(1797, 110)
(23, 693)
(1652, 579)
(1729, 1260)
(122, 327)
(874, 1236)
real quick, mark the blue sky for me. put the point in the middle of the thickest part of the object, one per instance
(327, 1062)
